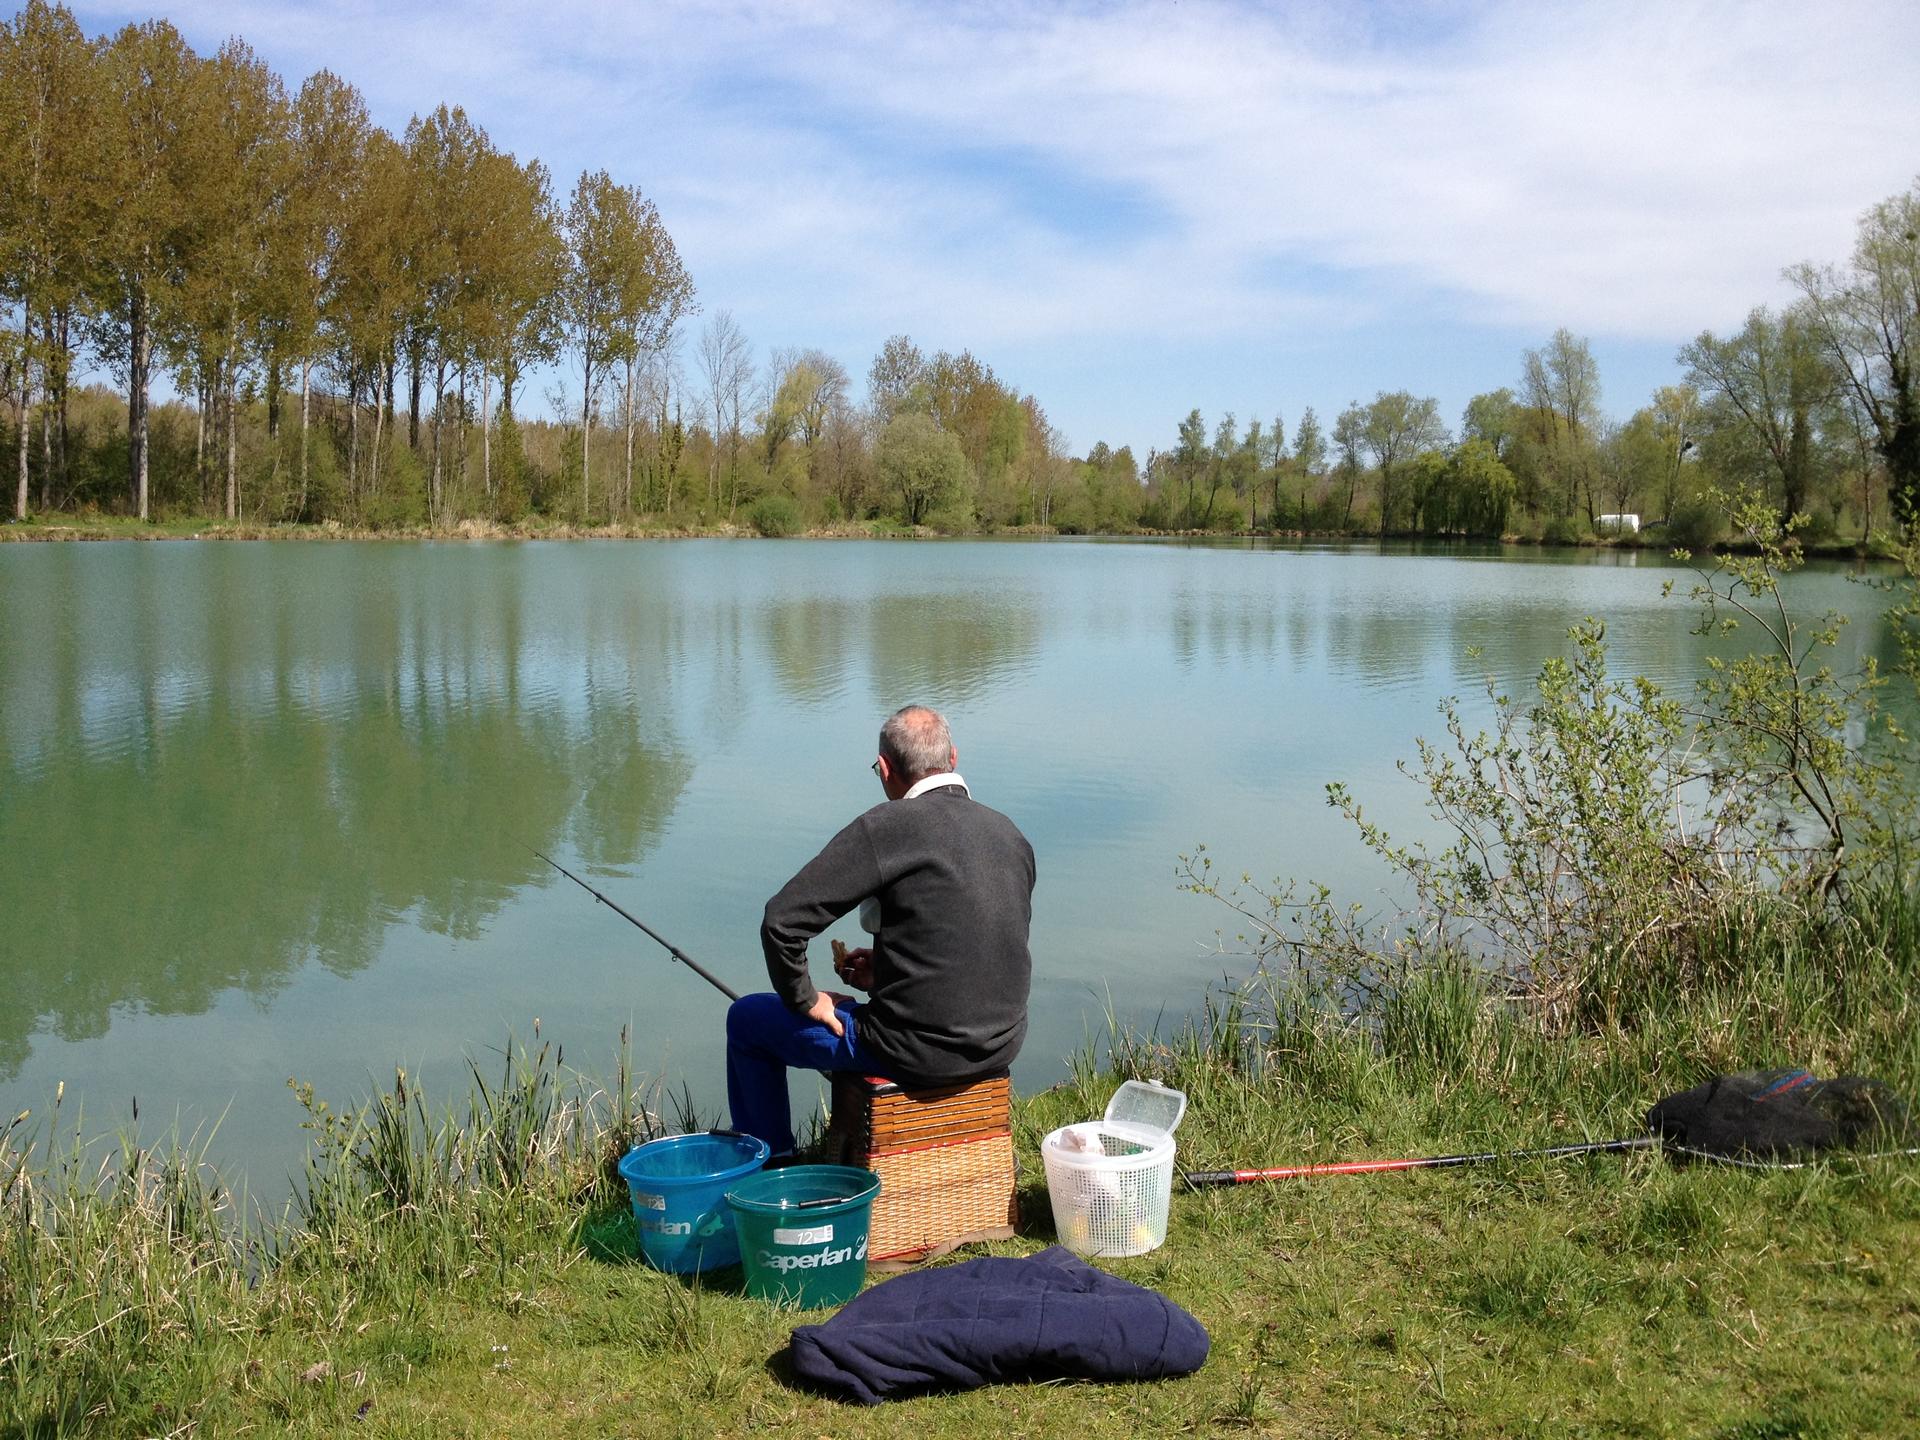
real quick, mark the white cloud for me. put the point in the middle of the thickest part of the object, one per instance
(1635, 171)
(1606, 168)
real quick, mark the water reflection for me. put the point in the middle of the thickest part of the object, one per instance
(1425, 626)
(208, 785)
(809, 642)
(957, 647)
(221, 763)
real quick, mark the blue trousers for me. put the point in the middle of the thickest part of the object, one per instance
(764, 1040)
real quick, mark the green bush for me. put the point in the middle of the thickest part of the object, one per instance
(326, 478)
(1228, 517)
(400, 499)
(1609, 841)
(1697, 524)
(1565, 530)
(1326, 513)
(512, 476)
(1155, 514)
(774, 516)
(953, 519)
(1822, 527)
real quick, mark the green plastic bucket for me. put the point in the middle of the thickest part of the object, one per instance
(803, 1232)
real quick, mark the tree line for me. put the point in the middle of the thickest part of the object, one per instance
(349, 317)
(1815, 406)
(165, 210)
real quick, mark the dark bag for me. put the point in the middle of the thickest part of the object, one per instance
(1780, 1115)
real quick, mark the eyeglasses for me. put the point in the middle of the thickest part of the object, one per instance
(876, 769)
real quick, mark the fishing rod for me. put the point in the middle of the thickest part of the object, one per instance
(672, 949)
(1757, 1119)
(1198, 1178)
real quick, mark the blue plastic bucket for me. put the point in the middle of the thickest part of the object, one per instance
(803, 1232)
(679, 1186)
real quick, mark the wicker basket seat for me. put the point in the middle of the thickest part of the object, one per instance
(944, 1157)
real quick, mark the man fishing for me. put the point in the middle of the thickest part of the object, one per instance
(949, 886)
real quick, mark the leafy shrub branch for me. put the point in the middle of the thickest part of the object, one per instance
(1600, 836)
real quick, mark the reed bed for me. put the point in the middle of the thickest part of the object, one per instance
(134, 1278)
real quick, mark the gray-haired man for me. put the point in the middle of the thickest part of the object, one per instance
(948, 972)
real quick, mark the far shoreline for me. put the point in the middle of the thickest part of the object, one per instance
(112, 527)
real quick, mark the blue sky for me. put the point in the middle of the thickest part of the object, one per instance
(1132, 209)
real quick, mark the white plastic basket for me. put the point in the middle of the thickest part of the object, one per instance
(1111, 1180)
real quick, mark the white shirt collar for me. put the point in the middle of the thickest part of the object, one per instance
(934, 782)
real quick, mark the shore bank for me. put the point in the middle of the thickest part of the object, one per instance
(114, 527)
(468, 1270)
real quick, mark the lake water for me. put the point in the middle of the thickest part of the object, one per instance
(265, 809)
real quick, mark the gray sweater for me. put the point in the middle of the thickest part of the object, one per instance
(951, 968)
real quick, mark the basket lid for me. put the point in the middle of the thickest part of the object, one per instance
(1148, 1103)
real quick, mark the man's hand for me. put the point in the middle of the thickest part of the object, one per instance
(822, 1010)
(853, 966)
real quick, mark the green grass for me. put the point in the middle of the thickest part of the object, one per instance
(466, 1269)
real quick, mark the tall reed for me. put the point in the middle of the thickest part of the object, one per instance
(129, 1272)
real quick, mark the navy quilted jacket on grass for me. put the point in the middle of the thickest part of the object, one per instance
(994, 1320)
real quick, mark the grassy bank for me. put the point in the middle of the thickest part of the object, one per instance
(466, 1269)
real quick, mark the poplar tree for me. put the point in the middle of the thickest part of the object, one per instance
(368, 297)
(47, 116)
(1676, 410)
(448, 154)
(233, 167)
(1562, 385)
(330, 134)
(656, 294)
(146, 225)
(819, 384)
(1273, 459)
(779, 404)
(896, 381)
(1490, 417)
(520, 263)
(1309, 455)
(623, 281)
(726, 363)
(1349, 432)
(1190, 457)
(1395, 428)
